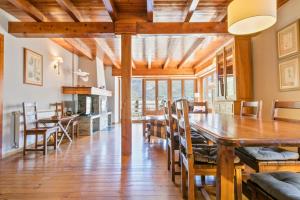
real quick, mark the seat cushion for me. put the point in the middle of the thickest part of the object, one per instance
(270, 153)
(204, 153)
(280, 185)
(197, 138)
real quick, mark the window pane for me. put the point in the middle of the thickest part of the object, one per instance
(162, 93)
(150, 95)
(136, 98)
(189, 89)
(176, 89)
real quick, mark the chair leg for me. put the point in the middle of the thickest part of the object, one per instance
(168, 152)
(77, 130)
(44, 143)
(73, 132)
(25, 144)
(238, 180)
(191, 186)
(183, 180)
(55, 140)
(36, 141)
(173, 163)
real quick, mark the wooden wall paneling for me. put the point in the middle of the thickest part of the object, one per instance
(126, 71)
(1, 89)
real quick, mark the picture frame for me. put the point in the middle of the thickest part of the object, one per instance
(289, 74)
(288, 40)
(33, 68)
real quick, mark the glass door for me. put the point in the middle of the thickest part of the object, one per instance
(150, 96)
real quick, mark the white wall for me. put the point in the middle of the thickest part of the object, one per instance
(15, 92)
(265, 62)
(113, 101)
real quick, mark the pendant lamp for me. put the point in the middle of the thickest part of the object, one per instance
(251, 16)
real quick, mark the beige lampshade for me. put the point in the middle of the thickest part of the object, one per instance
(251, 16)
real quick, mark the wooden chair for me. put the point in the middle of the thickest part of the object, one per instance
(172, 144)
(196, 163)
(203, 105)
(30, 118)
(276, 164)
(251, 109)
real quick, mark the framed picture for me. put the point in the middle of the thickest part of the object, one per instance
(33, 68)
(289, 74)
(288, 40)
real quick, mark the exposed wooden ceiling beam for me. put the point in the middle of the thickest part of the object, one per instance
(111, 9)
(150, 8)
(102, 44)
(157, 72)
(172, 48)
(61, 29)
(190, 8)
(281, 2)
(30, 10)
(69, 7)
(101, 29)
(181, 27)
(80, 46)
(196, 45)
(133, 65)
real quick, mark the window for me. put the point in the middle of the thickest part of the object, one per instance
(189, 89)
(176, 90)
(162, 93)
(150, 95)
(136, 98)
(209, 89)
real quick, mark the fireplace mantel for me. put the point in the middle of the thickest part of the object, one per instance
(86, 91)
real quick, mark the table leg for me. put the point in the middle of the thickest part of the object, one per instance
(225, 173)
(65, 133)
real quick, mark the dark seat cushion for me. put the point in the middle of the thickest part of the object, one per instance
(280, 185)
(204, 153)
(270, 153)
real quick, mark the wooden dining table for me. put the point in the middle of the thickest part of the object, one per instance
(63, 123)
(231, 131)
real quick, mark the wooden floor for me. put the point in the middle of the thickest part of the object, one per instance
(90, 168)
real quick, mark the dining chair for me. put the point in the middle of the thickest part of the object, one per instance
(31, 127)
(172, 140)
(265, 159)
(198, 159)
(251, 109)
(198, 107)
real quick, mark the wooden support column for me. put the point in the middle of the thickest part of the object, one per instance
(126, 73)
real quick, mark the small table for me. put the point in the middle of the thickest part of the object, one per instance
(63, 122)
(229, 131)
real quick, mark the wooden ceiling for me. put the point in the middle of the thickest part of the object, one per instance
(152, 52)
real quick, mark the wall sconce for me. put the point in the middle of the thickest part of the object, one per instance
(57, 61)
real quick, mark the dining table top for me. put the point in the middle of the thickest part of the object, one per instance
(56, 119)
(235, 130)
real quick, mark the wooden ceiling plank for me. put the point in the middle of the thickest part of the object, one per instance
(111, 9)
(102, 44)
(181, 28)
(29, 9)
(69, 7)
(133, 65)
(190, 8)
(187, 57)
(150, 8)
(172, 47)
(61, 29)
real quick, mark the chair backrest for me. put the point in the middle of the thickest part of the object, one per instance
(251, 109)
(182, 111)
(198, 107)
(169, 118)
(59, 108)
(292, 105)
(30, 115)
